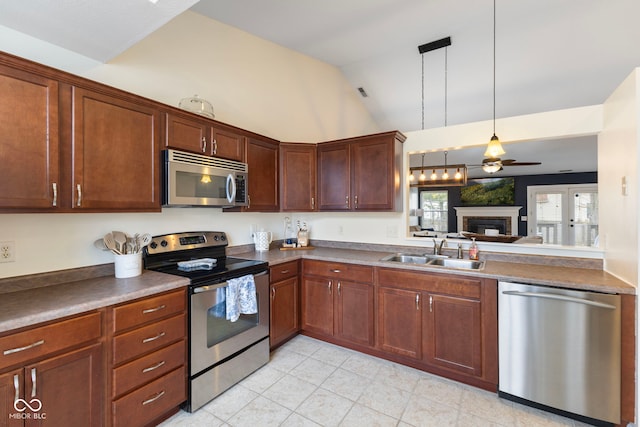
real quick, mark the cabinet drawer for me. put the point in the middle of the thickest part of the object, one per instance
(148, 338)
(148, 368)
(147, 310)
(40, 341)
(283, 271)
(149, 402)
(356, 273)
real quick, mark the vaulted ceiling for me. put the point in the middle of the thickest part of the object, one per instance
(550, 54)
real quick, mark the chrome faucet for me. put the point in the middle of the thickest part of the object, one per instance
(437, 248)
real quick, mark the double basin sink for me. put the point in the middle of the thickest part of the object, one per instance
(435, 260)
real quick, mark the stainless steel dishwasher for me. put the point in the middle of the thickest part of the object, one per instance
(559, 350)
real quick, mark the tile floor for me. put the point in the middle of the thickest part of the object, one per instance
(312, 383)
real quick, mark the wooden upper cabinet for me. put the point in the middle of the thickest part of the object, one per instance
(298, 177)
(262, 160)
(186, 133)
(29, 144)
(204, 136)
(115, 153)
(334, 177)
(228, 143)
(362, 173)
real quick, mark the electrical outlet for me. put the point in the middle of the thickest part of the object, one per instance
(7, 251)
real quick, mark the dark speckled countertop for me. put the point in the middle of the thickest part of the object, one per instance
(536, 274)
(33, 303)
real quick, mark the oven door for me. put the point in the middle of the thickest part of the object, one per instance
(213, 338)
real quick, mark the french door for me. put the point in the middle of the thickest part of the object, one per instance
(563, 214)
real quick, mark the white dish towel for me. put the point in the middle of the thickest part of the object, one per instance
(241, 297)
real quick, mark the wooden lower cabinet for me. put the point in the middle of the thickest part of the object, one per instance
(284, 319)
(445, 323)
(56, 372)
(335, 306)
(148, 379)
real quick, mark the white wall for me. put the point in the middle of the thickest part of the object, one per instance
(618, 159)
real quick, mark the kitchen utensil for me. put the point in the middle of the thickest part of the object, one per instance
(121, 240)
(110, 243)
(143, 240)
(99, 243)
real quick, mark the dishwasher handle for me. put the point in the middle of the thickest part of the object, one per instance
(560, 298)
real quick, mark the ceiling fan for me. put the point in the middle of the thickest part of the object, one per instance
(495, 164)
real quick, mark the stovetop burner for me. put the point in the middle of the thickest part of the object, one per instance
(165, 251)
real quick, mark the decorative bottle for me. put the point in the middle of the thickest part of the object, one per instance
(473, 249)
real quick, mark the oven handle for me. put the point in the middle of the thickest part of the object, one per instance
(209, 288)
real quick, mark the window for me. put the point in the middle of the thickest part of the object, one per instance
(564, 214)
(435, 206)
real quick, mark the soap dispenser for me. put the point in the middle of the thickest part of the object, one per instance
(473, 249)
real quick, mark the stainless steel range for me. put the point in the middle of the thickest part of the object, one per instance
(222, 349)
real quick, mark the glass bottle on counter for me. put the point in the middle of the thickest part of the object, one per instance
(473, 249)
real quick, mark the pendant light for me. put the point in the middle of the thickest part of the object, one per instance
(422, 175)
(494, 148)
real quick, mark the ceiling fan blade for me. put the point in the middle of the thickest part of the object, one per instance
(522, 164)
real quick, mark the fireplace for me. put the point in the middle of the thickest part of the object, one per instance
(477, 219)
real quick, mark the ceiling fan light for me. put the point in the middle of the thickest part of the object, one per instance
(494, 148)
(491, 167)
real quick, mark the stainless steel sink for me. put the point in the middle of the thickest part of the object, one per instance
(458, 263)
(413, 258)
(435, 260)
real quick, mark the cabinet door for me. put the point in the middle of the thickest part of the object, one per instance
(115, 155)
(9, 416)
(334, 176)
(399, 322)
(262, 159)
(228, 144)
(28, 140)
(453, 336)
(284, 321)
(298, 177)
(187, 134)
(317, 305)
(70, 388)
(373, 184)
(354, 313)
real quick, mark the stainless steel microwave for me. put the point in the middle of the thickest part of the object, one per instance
(196, 180)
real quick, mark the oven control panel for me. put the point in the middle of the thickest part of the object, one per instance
(183, 241)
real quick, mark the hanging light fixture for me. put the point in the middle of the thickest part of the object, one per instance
(494, 148)
(422, 175)
(440, 176)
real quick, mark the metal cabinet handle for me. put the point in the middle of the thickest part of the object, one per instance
(356, 202)
(214, 147)
(153, 310)
(146, 340)
(154, 398)
(339, 287)
(273, 293)
(19, 349)
(336, 270)
(417, 301)
(313, 203)
(248, 201)
(33, 382)
(204, 144)
(284, 271)
(16, 387)
(329, 286)
(79, 188)
(153, 368)
(346, 198)
(55, 194)
(430, 304)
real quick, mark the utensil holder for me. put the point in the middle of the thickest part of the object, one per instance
(129, 265)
